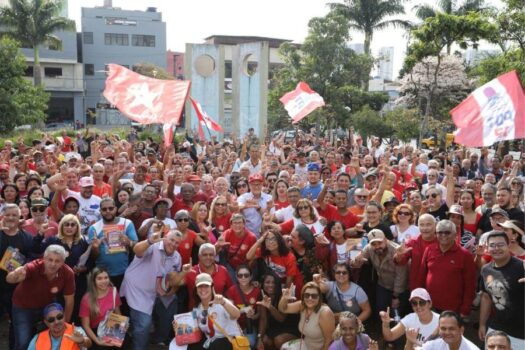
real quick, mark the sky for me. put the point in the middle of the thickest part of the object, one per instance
(190, 21)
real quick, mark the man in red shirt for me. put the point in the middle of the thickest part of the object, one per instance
(414, 249)
(40, 282)
(448, 272)
(219, 274)
(101, 188)
(339, 212)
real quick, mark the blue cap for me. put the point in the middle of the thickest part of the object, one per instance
(313, 167)
(52, 307)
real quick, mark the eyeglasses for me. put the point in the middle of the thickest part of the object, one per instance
(221, 204)
(415, 303)
(341, 272)
(107, 209)
(313, 296)
(204, 316)
(433, 195)
(404, 213)
(70, 224)
(183, 220)
(243, 275)
(242, 185)
(497, 245)
(303, 207)
(271, 239)
(443, 232)
(39, 209)
(52, 319)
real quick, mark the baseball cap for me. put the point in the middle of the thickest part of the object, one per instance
(456, 209)
(313, 167)
(4, 166)
(392, 200)
(72, 155)
(375, 235)
(497, 210)
(420, 293)
(39, 202)
(86, 181)
(203, 279)
(52, 307)
(192, 178)
(164, 200)
(255, 177)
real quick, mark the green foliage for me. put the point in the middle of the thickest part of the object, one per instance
(496, 65)
(152, 71)
(404, 122)
(20, 102)
(369, 122)
(330, 68)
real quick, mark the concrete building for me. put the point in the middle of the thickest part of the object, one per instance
(357, 47)
(386, 63)
(125, 37)
(61, 75)
(379, 84)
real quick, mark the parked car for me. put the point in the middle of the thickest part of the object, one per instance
(429, 141)
(58, 126)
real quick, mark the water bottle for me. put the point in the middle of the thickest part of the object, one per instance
(397, 318)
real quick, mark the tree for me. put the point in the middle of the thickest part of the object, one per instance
(332, 69)
(368, 16)
(33, 23)
(20, 102)
(152, 71)
(433, 36)
(451, 7)
(369, 123)
(404, 122)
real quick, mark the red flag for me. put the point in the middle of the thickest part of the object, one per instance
(143, 99)
(493, 112)
(301, 102)
(204, 119)
(168, 134)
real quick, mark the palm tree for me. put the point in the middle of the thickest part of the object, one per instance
(368, 16)
(33, 23)
(451, 7)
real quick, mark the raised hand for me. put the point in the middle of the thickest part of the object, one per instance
(373, 345)
(385, 316)
(266, 302)
(411, 335)
(77, 337)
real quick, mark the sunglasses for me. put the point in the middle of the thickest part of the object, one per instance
(272, 180)
(58, 317)
(362, 197)
(404, 213)
(243, 275)
(415, 303)
(242, 185)
(221, 204)
(39, 209)
(303, 207)
(443, 233)
(313, 296)
(107, 209)
(183, 220)
(70, 224)
(433, 195)
(342, 272)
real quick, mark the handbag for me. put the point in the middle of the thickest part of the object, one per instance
(239, 342)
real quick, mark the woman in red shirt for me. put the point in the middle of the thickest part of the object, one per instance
(470, 216)
(280, 194)
(189, 237)
(245, 296)
(220, 215)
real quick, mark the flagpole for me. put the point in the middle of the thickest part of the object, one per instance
(209, 132)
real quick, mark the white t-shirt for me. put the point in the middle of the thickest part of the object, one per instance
(412, 232)
(425, 330)
(284, 214)
(89, 210)
(439, 344)
(167, 221)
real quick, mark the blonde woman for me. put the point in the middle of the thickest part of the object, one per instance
(100, 298)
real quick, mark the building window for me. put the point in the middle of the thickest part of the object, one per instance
(116, 39)
(52, 72)
(88, 37)
(28, 71)
(143, 40)
(89, 69)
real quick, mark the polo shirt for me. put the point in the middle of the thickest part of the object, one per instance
(449, 277)
(221, 281)
(252, 215)
(36, 291)
(418, 246)
(349, 219)
(139, 284)
(439, 344)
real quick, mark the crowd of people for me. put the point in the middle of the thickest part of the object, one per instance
(296, 244)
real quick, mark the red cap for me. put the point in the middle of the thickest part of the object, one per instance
(194, 178)
(255, 177)
(4, 166)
